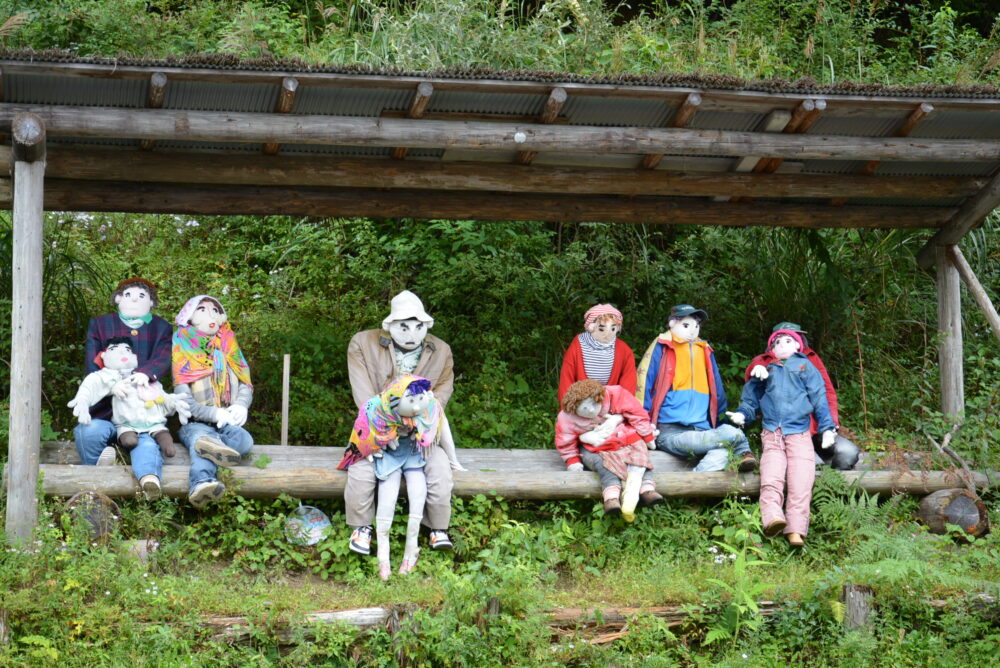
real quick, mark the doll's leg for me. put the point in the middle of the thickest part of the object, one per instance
(630, 497)
(147, 466)
(610, 483)
(437, 471)
(416, 489)
(800, 478)
(772, 481)
(93, 442)
(388, 492)
(164, 440)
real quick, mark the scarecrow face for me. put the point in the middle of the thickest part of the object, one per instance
(134, 302)
(605, 330)
(119, 356)
(407, 334)
(208, 317)
(413, 404)
(588, 408)
(784, 347)
(686, 328)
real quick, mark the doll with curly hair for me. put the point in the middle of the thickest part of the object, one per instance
(606, 430)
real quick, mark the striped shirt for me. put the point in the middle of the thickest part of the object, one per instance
(598, 358)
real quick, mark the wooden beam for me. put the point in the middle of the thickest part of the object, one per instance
(553, 105)
(194, 198)
(775, 121)
(154, 100)
(971, 213)
(680, 119)
(949, 296)
(26, 328)
(975, 288)
(418, 107)
(802, 126)
(286, 100)
(383, 132)
(88, 163)
(918, 114)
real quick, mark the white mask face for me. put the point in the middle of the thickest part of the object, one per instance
(685, 329)
(605, 332)
(407, 334)
(119, 356)
(134, 302)
(207, 318)
(588, 408)
(413, 404)
(784, 347)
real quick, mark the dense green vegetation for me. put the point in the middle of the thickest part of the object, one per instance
(508, 297)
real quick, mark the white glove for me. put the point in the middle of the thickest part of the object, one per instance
(222, 418)
(393, 444)
(80, 410)
(829, 437)
(575, 467)
(759, 371)
(139, 378)
(237, 415)
(121, 388)
(455, 466)
(739, 419)
(181, 407)
(651, 444)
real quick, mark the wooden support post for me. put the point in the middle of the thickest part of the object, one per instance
(949, 297)
(921, 112)
(683, 116)
(28, 135)
(971, 213)
(154, 100)
(553, 105)
(858, 606)
(286, 372)
(418, 106)
(975, 288)
(286, 99)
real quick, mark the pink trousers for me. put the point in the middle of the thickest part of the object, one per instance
(787, 460)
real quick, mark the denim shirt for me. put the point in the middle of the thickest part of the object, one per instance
(792, 392)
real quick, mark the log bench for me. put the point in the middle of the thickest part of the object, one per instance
(309, 472)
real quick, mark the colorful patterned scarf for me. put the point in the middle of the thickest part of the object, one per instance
(378, 423)
(197, 355)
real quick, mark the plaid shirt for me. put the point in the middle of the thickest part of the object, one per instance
(150, 343)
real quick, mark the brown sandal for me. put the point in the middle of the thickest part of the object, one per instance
(612, 507)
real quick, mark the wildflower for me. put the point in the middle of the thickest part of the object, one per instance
(713, 549)
(107, 593)
(744, 656)
(732, 556)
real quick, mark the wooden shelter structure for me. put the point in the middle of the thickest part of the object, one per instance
(200, 138)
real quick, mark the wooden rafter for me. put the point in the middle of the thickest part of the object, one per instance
(553, 105)
(680, 119)
(776, 121)
(286, 100)
(421, 98)
(971, 213)
(155, 96)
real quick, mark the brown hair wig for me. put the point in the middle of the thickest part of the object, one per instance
(580, 390)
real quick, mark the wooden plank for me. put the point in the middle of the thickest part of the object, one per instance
(949, 296)
(727, 99)
(773, 122)
(680, 119)
(918, 114)
(553, 105)
(286, 100)
(971, 213)
(103, 122)
(154, 100)
(26, 329)
(314, 482)
(802, 126)
(88, 163)
(975, 288)
(72, 195)
(418, 107)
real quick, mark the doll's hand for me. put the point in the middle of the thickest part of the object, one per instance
(738, 419)
(121, 388)
(575, 467)
(181, 407)
(455, 466)
(139, 378)
(829, 437)
(237, 415)
(651, 444)
(222, 418)
(393, 444)
(80, 410)
(760, 372)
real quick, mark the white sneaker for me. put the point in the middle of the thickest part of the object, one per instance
(216, 451)
(206, 492)
(361, 540)
(107, 457)
(150, 486)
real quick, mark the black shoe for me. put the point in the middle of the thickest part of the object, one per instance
(747, 464)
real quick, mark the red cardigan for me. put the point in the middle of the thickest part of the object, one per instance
(622, 370)
(831, 394)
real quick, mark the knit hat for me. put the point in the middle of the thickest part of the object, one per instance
(595, 312)
(407, 306)
(184, 316)
(785, 332)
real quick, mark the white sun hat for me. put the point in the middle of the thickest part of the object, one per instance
(407, 306)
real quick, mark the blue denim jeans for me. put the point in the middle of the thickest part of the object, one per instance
(92, 438)
(202, 470)
(711, 445)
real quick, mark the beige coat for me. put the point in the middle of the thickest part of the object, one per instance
(371, 365)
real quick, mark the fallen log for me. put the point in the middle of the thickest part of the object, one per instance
(958, 507)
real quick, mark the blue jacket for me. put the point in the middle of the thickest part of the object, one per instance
(695, 405)
(792, 392)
